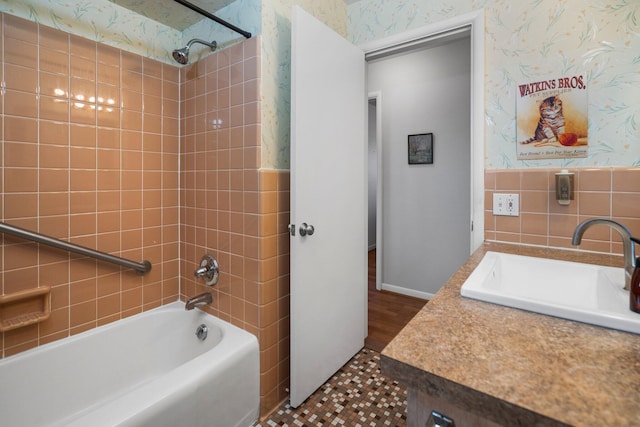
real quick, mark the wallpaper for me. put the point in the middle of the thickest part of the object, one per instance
(108, 23)
(172, 13)
(531, 40)
(244, 14)
(101, 21)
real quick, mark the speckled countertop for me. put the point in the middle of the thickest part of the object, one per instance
(515, 367)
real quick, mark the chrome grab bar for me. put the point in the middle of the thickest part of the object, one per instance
(140, 267)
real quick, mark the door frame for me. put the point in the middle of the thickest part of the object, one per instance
(377, 95)
(398, 42)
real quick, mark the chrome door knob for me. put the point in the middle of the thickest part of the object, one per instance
(306, 229)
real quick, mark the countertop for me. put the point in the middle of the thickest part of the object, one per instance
(515, 367)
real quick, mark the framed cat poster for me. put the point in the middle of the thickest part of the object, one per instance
(551, 118)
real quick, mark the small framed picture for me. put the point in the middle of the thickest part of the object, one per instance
(421, 149)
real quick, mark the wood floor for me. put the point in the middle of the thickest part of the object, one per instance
(388, 312)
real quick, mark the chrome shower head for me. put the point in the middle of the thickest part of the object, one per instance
(182, 55)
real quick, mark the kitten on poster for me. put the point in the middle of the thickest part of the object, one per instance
(551, 118)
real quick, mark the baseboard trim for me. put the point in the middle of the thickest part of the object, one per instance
(407, 291)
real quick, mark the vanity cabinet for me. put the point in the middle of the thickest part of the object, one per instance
(420, 405)
(485, 365)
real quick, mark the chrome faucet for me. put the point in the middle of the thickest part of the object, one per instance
(627, 244)
(198, 301)
(209, 270)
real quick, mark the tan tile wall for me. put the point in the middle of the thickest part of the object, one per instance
(601, 192)
(94, 160)
(233, 210)
(90, 155)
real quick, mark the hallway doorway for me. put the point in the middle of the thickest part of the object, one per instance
(420, 214)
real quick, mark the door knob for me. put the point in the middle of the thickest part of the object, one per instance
(306, 229)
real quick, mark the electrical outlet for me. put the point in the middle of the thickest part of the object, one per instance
(506, 204)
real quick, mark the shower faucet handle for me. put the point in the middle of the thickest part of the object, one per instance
(209, 270)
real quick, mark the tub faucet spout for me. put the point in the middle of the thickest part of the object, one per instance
(198, 301)
(627, 243)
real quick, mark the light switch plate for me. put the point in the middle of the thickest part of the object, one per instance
(506, 204)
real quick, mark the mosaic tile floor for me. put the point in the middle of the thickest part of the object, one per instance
(358, 395)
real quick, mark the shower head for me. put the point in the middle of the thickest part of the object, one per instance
(182, 55)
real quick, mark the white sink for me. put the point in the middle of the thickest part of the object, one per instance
(583, 292)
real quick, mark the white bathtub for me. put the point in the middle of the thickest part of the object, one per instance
(146, 370)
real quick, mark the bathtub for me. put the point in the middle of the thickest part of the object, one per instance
(146, 370)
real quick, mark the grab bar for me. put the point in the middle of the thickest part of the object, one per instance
(140, 267)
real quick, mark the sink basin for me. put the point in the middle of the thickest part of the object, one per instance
(583, 292)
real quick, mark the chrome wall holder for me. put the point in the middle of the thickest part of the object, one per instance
(564, 187)
(209, 270)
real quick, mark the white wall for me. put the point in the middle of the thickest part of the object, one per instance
(426, 222)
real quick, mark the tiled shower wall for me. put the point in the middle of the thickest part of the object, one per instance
(611, 192)
(233, 210)
(91, 151)
(90, 155)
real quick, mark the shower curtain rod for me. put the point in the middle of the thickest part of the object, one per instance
(213, 17)
(140, 267)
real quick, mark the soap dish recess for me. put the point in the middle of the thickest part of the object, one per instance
(24, 308)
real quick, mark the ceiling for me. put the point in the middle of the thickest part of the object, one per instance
(175, 15)
(170, 13)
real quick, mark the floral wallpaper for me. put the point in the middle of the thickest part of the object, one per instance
(172, 13)
(102, 21)
(108, 23)
(244, 14)
(527, 40)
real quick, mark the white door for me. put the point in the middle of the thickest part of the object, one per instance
(328, 192)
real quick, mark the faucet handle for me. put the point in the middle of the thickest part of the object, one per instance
(209, 270)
